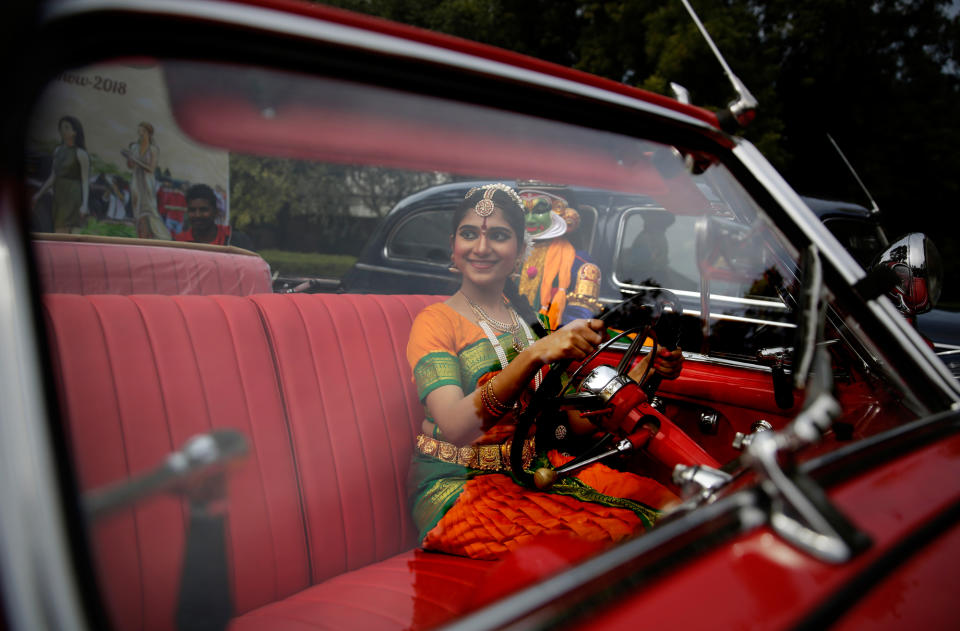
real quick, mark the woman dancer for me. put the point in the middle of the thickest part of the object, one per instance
(142, 158)
(69, 177)
(474, 359)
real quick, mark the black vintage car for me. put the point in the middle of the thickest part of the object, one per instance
(637, 245)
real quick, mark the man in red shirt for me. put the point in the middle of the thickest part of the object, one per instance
(202, 212)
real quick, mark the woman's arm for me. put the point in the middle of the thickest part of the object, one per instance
(146, 166)
(46, 185)
(84, 158)
(154, 158)
(461, 416)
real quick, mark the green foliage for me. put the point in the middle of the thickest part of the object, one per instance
(99, 165)
(264, 188)
(883, 77)
(107, 228)
(308, 264)
(261, 187)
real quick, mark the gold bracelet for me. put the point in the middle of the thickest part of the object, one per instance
(490, 402)
(492, 412)
(493, 397)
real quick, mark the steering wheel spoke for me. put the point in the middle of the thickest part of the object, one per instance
(552, 397)
(584, 401)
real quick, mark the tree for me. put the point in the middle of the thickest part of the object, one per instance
(379, 189)
(882, 77)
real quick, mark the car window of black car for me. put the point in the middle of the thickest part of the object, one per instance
(861, 238)
(424, 236)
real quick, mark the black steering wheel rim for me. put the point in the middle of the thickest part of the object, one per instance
(550, 388)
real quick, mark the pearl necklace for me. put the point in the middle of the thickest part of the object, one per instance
(513, 327)
(486, 323)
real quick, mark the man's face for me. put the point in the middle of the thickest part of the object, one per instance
(201, 212)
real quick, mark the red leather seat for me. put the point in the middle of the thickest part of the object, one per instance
(319, 529)
(137, 377)
(99, 266)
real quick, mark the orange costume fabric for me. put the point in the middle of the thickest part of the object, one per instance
(483, 514)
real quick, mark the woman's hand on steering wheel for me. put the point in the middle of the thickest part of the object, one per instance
(575, 340)
(668, 364)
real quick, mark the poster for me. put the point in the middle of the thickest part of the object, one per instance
(105, 135)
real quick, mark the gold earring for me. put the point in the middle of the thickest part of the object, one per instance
(453, 269)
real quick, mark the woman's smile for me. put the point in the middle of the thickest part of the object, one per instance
(483, 264)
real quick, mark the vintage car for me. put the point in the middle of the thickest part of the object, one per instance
(184, 448)
(410, 251)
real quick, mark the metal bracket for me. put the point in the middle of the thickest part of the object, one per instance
(800, 511)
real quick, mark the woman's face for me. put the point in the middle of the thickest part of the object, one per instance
(67, 133)
(142, 132)
(485, 251)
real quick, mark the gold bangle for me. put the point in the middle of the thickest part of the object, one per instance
(490, 402)
(493, 397)
(492, 412)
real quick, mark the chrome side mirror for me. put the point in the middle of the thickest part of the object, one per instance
(916, 262)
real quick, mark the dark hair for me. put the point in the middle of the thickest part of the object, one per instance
(513, 212)
(78, 140)
(202, 191)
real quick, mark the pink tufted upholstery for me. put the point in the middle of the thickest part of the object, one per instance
(127, 266)
(319, 528)
(353, 416)
(138, 377)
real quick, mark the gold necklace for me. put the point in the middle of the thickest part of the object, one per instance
(513, 327)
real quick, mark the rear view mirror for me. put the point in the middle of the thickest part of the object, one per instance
(919, 275)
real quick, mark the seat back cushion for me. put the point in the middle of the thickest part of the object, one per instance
(137, 377)
(353, 414)
(80, 267)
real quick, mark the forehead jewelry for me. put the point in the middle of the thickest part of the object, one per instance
(485, 207)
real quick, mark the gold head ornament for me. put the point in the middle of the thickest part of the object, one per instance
(485, 207)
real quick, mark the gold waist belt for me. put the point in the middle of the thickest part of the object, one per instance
(483, 457)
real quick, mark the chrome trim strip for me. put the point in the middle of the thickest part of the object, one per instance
(701, 359)
(726, 317)
(37, 577)
(773, 305)
(314, 28)
(367, 267)
(946, 349)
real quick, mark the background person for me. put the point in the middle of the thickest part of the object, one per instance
(473, 358)
(117, 198)
(142, 157)
(202, 214)
(172, 205)
(69, 177)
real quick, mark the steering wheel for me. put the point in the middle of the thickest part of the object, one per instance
(648, 305)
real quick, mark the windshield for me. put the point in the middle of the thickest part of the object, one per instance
(246, 255)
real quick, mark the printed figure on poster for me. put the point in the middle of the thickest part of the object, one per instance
(105, 156)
